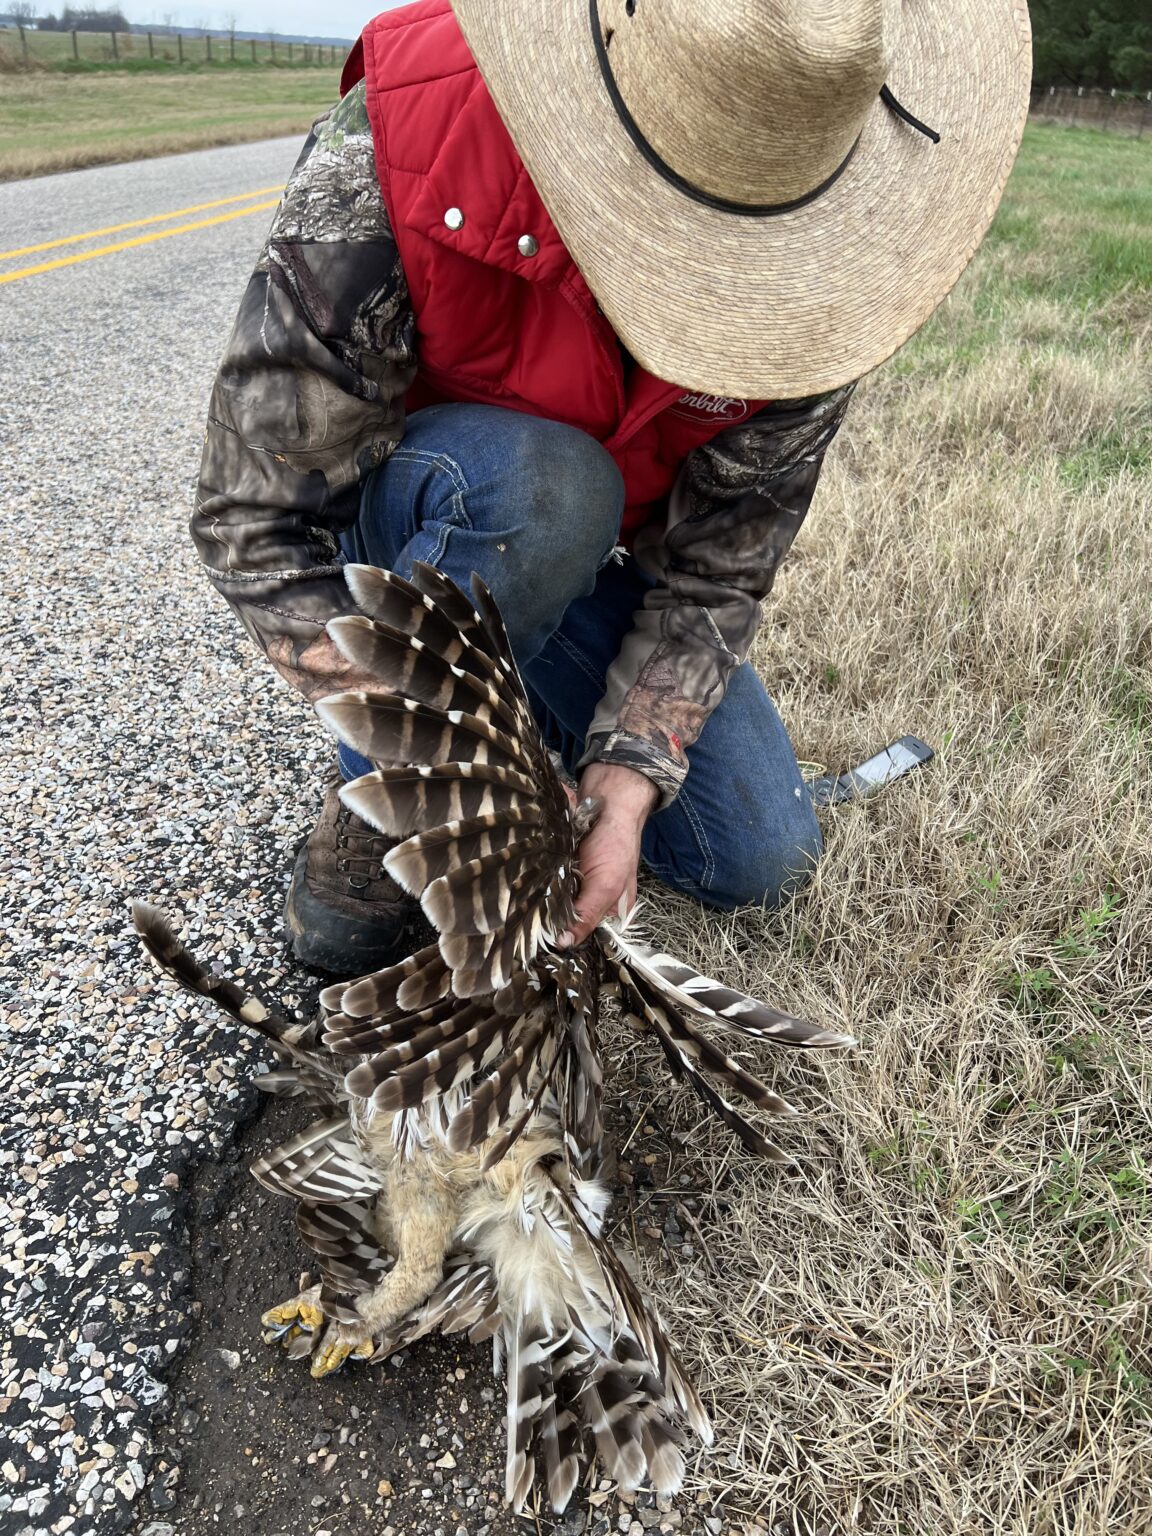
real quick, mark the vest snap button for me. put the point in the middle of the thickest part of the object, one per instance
(454, 219)
(527, 245)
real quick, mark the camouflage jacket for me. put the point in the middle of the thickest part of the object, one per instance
(309, 399)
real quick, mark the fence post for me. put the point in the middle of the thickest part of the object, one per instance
(151, 52)
(253, 50)
(289, 53)
(180, 46)
(75, 45)
(232, 46)
(115, 50)
(207, 48)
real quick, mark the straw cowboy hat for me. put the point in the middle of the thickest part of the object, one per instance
(767, 197)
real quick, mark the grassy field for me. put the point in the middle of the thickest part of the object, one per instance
(52, 122)
(942, 1324)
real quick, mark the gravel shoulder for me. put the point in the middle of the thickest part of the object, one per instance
(150, 753)
(147, 752)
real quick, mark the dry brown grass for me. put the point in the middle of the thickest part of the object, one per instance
(941, 1325)
(54, 122)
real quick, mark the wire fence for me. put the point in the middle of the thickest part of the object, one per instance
(1123, 112)
(32, 49)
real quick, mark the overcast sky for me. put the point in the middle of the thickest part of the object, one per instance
(333, 18)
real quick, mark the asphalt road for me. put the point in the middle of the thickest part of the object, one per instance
(148, 751)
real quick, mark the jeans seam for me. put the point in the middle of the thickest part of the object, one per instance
(451, 468)
(576, 655)
(663, 872)
(702, 843)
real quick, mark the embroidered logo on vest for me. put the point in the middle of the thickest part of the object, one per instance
(692, 407)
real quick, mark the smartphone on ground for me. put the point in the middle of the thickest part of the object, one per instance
(875, 774)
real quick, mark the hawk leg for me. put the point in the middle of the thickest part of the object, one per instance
(417, 1214)
(421, 1219)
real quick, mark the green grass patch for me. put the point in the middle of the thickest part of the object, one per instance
(1102, 458)
(170, 65)
(97, 117)
(1072, 236)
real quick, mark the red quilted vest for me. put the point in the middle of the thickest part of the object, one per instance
(494, 325)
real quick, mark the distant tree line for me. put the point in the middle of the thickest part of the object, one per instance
(23, 14)
(1102, 43)
(1096, 43)
(85, 19)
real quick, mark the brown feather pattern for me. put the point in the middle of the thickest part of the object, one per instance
(344, 1242)
(487, 1039)
(399, 801)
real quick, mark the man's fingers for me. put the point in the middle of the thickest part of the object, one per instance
(598, 897)
(609, 854)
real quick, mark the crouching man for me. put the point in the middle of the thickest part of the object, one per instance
(573, 296)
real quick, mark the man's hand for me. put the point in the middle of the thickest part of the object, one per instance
(609, 856)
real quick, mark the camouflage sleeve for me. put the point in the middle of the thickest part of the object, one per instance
(308, 399)
(732, 516)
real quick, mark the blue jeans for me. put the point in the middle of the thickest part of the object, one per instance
(534, 507)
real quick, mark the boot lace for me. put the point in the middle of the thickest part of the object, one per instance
(360, 850)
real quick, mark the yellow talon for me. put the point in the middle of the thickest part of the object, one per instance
(300, 1325)
(305, 1314)
(330, 1357)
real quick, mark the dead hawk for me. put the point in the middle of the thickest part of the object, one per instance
(457, 1178)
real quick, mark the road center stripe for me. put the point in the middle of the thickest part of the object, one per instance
(156, 218)
(124, 245)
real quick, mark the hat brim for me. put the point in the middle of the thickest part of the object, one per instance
(781, 305)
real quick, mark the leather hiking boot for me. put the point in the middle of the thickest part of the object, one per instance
(344, 914)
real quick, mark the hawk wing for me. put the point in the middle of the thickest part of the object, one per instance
(472, 1036)
(489, 849)
(464, 776)
(483, 1023)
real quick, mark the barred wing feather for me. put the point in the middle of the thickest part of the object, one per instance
(675, 1000)
(344, 1241)
(686, 990)
(462, 774)
(322, 1164)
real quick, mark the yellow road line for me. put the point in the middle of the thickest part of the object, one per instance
(123, 245)
(156, 218)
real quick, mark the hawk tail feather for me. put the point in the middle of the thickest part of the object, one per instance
(159, 938)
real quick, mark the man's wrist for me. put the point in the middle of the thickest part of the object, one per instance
(317, 669)
(645, 757)
(625, 791)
